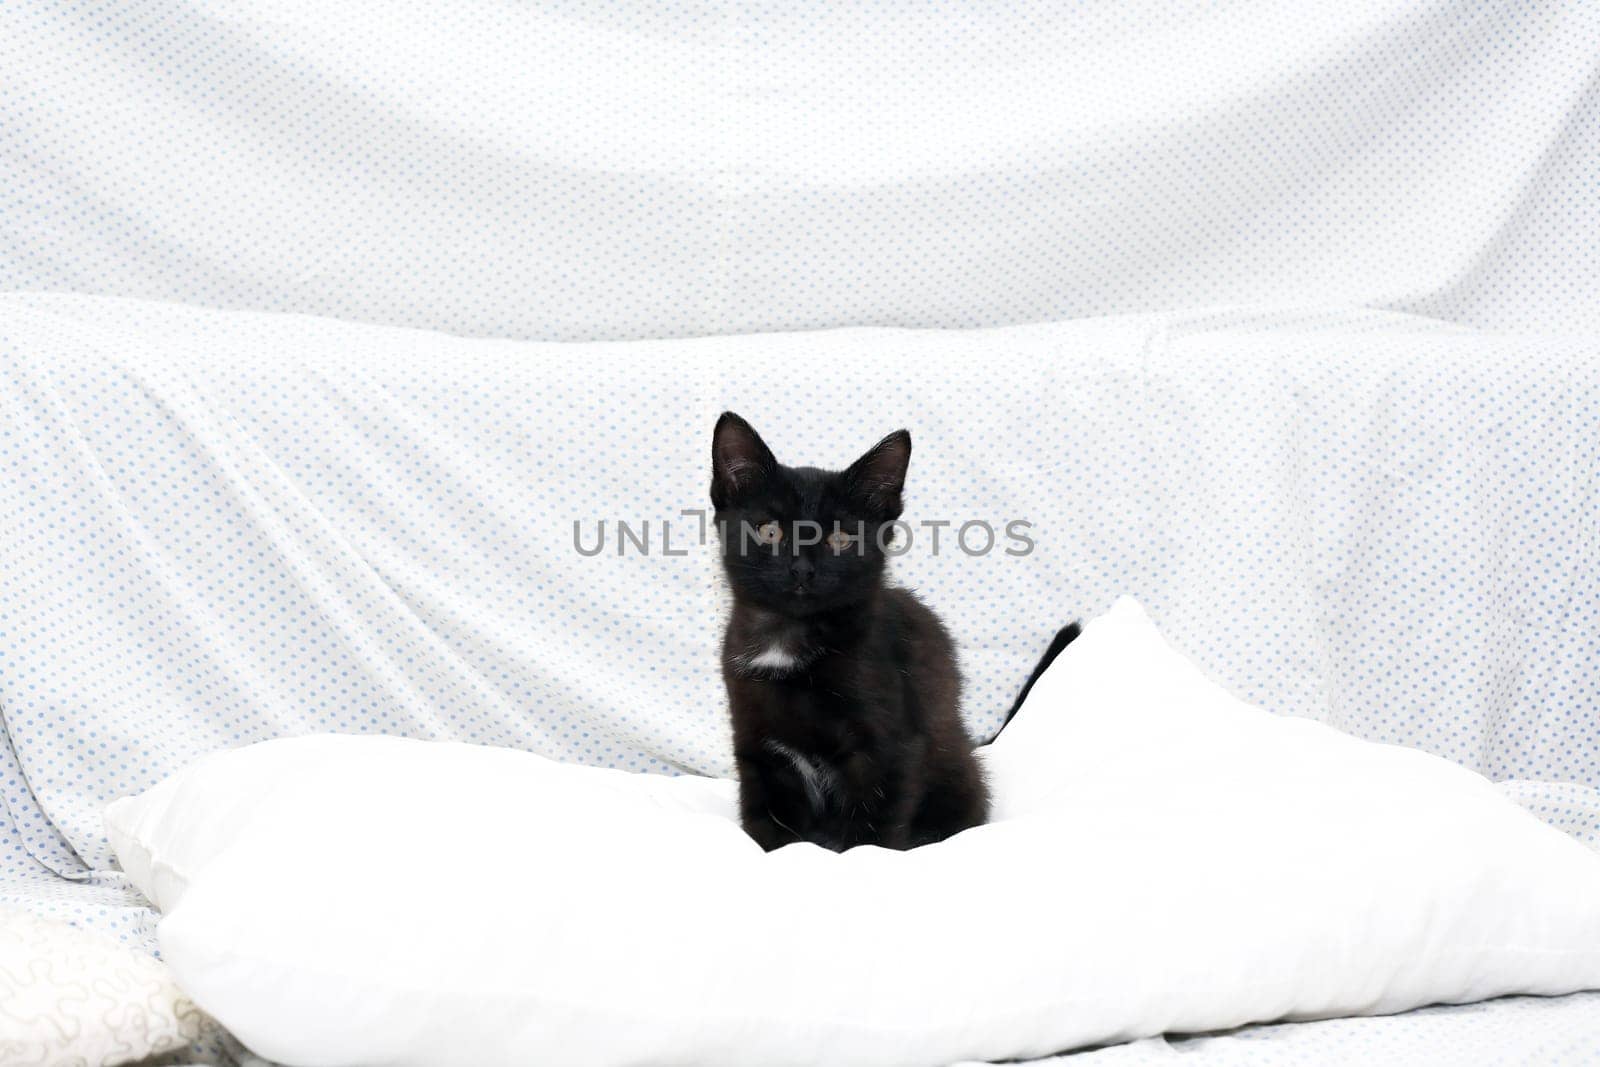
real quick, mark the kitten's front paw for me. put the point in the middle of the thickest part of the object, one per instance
(768, 833)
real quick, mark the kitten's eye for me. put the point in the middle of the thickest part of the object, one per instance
(839, 540)
(769, 533)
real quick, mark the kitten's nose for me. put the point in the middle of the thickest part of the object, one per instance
(801, 570)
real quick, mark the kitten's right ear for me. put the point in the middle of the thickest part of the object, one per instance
(740, 460)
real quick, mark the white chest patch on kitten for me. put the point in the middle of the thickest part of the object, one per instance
(775, 658)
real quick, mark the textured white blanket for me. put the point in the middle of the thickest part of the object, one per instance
(223, 527)
(1347, 519)
(570, 171)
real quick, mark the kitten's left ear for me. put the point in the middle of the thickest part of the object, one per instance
(877, 478)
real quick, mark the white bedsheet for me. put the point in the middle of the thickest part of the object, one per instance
(230, 526)
(1355, 517)
(227, 526)
(1495, 1033)
(572, 171)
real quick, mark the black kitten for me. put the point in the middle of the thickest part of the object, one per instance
(843, 689)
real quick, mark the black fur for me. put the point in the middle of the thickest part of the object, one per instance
(1060, 641)
(843, 689)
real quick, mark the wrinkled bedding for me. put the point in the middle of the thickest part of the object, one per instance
(230, 526)
(218, 528)
(570, 171)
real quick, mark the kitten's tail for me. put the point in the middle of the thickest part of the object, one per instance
(1061, 640)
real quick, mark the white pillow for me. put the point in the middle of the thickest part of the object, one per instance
(1164, 858)
(71, 996)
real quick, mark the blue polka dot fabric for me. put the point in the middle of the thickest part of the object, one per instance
(634, 169)
(222, 526)
(226, 527)
(1509, 1032)
(232, 526)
